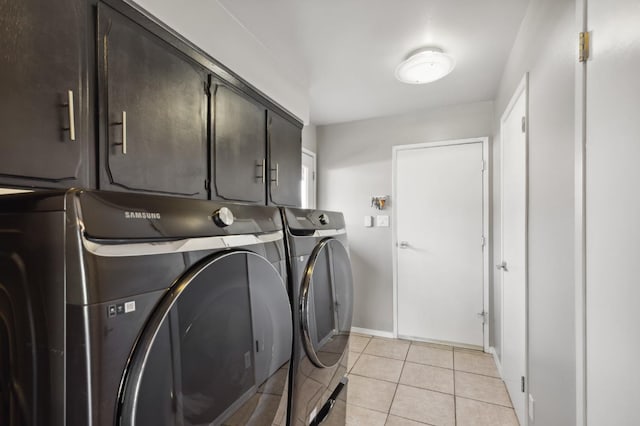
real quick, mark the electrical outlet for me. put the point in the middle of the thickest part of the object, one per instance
(531, 406)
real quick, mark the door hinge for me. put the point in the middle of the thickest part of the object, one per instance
(484, 166)
(522, 384)
(206, 184)
(313, 176)
(583, 47)
(483, 241)
(524, 124)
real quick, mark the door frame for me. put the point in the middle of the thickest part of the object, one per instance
(522, 89)
(313, 156)
(488, 246)
(580, 230)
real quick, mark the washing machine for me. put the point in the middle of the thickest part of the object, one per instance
(128, 309)
(321, 285)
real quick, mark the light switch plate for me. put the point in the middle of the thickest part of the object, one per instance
(382, 221)
(368, 221)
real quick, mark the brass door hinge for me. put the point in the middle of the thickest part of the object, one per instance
(583, 47)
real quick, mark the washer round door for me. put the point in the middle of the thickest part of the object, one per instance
(326, 303)
(216, 349)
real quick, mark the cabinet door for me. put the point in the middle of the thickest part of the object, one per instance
(153, 124)
(42, 65)
(239, 146)
(285, 160)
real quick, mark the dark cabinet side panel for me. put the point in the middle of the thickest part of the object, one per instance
(285, 159)
(239, 144)
(42, 58)
(161, 145)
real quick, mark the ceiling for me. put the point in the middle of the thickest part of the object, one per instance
(346, 51)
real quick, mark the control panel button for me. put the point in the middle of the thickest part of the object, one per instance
(324, 219)
(223, 217)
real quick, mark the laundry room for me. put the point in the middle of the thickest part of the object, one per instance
(246, 212)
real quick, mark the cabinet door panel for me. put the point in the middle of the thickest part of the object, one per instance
(285, 158)
(239, 147)
(164, 96)
(42, 56)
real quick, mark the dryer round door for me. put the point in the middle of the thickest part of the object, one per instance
(216, 349)
(326, 303)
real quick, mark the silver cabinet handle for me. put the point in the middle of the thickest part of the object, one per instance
(277, 170)
(262, 166)
(502, 266)
(403, 245)
(124, 132)
(72, 118)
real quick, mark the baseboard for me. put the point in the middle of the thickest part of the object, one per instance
(370, 332)
(493, 352)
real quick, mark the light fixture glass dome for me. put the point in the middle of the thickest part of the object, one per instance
(425, 66)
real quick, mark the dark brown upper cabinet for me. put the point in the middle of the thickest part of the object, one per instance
(153, 111)
(285, 160)
(239, 146)
(43, 87)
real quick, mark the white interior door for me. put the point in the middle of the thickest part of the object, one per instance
(513, 267)
(308, 181)
(439, 225)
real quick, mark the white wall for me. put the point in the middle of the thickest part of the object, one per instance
(546, 47)
(210, 26)
(309, 137)
(354, 163)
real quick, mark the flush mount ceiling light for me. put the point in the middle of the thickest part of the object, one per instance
(425, 66)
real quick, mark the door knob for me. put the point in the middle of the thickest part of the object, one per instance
(403, 244)
(502, 266)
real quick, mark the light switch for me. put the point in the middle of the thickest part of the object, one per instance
(382, 221)
(368, 221)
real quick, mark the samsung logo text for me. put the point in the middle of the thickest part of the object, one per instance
(141, 215)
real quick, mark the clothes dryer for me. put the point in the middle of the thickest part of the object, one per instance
(321, 285)
(128, 309)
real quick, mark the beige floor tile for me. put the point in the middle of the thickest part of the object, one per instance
(433, 345)
(378, 368)
(476, 413)
(370, 393)
(358, 343)
(388, 348)
(427, 377)
(423, 406)
(358, 416)
(475, 363)
(399, 421)
(481, 388)
(353, 357)
(430, 356)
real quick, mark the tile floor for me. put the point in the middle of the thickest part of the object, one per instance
(400, 382)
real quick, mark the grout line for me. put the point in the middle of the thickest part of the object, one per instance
(486, 402)
(413, 420)
(481, 375)
(478, 374)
